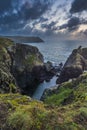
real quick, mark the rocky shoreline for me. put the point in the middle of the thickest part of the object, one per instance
(75, 65)
(64, 106)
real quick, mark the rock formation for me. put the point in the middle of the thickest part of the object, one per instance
(23, 66)
(74, 66)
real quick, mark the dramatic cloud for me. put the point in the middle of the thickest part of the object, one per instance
(78, 6)
(14, 14)
(72, 24)
(43, 17)
(34, 11)
(48, 26)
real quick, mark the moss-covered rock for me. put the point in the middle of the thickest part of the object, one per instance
(6, 78)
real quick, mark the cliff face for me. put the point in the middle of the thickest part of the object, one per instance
(7, 80)
(24, 59)
(16, 64)
(74, 66)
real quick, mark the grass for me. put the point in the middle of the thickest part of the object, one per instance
(57, 99)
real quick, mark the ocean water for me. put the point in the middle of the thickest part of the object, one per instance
(55, 52)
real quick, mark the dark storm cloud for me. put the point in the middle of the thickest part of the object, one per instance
(49, 26)
(78, 6)
(71, 25)
(5, 5)
(15, 14)
(41, 20)
(35, 11)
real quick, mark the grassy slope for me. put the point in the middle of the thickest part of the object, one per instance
(66, 110)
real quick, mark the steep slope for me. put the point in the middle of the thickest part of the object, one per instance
(75, 65)
(16, 64)
(65, 110)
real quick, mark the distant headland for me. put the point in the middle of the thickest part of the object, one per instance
(25, 39)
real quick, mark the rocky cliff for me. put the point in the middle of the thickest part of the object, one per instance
(74, 66)
(22, 66)
(16, 64)
(23, 59)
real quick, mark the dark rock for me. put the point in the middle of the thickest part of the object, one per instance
(41, 74)
(74, 66)
(48, 66)
(23, 59)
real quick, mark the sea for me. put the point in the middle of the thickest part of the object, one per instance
(56, 52)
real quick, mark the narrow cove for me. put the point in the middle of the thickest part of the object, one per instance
(40, 89)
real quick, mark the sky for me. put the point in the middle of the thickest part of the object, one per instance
(61, 19)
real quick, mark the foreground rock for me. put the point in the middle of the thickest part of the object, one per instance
(74, 66)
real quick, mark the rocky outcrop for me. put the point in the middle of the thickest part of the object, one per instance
(23, 59)
(16, 64)
(7, 80)
(45, 72)
(74, 66)
(23, 66)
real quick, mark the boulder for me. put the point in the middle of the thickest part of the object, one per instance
(74, 66)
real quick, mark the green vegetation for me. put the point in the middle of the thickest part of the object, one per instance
(57, 99)
(66, 110)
